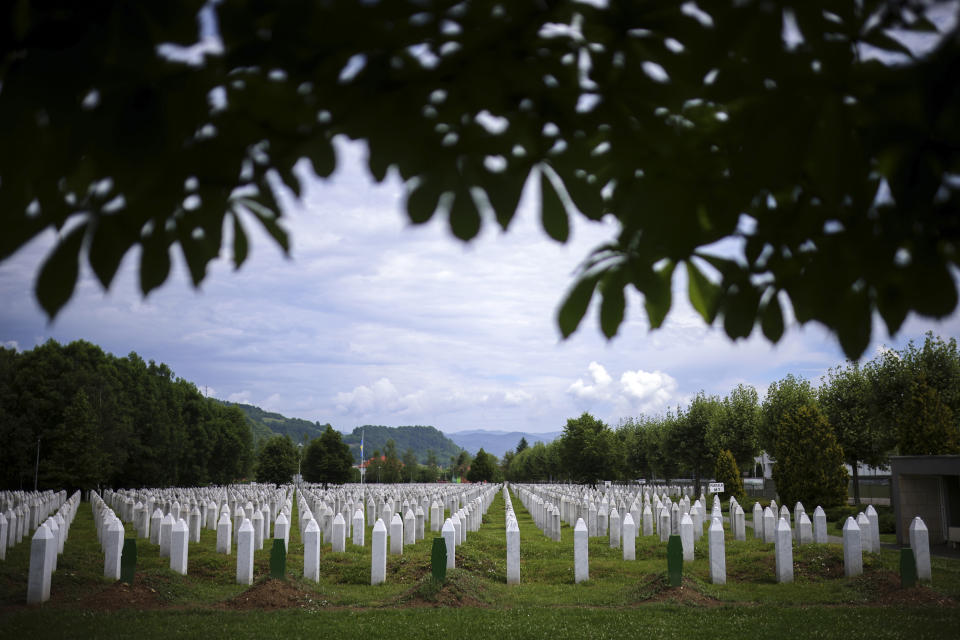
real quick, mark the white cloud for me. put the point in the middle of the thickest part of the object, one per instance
(12, 344)
(637, 391)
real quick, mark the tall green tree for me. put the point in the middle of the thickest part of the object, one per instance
(483, 467)
(522, 444)
(927, 426)
(809, 467)
(78, 459)
(327, 459)
(391, 471)
(277, 460)
(689, 437)
(783, 398)
(678, 145)
(737, 426)
(585, 449)
(865, 434)
(411, 467)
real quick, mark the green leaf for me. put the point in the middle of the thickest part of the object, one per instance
(613, 304)
(109, 244)
(575, 305)
(704, 295)
(422, 200)
(740, 311)
(58, 276)
(464, 217)
(322, 156)
(240, 247)
(853, 326)
(553, 213)
(658, 294)
(269, 221)
(154, 262)
(772, 319)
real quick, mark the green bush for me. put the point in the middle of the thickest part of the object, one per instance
(838, 515)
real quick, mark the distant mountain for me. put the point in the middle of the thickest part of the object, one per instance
(419, 438)
(498, 442)
(266, 424)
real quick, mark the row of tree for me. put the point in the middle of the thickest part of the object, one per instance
(905, 402)
(72, 416)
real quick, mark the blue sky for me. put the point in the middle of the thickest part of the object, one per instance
(374, 321)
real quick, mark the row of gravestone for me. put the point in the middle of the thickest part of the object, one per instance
(686, 521)
(21, 512)
(46, 546)
(172, 518)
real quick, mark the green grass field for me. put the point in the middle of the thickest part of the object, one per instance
(620, 599)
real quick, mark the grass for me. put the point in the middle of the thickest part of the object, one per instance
(620, 597)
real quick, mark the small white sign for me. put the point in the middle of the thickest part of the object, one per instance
(715, 487)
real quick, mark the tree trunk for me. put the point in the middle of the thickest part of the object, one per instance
(856, 483)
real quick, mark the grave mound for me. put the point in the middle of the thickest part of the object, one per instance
(121, 595)
(655, 588)
(882, 588)
(269, 593)
(461, 589)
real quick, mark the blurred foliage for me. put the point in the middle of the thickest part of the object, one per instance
(802, 132)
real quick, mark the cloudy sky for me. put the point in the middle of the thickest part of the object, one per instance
(373, 321)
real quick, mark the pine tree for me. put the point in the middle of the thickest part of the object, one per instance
(728, 473)
(809, 466)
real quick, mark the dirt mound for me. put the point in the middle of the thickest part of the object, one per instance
(655, 588)
(121, 595)
(461, 589)
(270, 594)
(883, 588)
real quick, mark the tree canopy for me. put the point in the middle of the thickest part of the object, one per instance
(277, 460)
(803, 131)
(104, 420)
(328, 459)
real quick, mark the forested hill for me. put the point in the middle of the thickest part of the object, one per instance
(266, 424)
(422, 440)
(80, 418)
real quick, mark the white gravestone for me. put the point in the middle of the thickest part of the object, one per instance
(686, 537)
(757, 521)
(629, 537)
(784, 552)
(852, 549)
(359, 527)
(819, 525)
(866, 542)
(378, 566)
(581, 551)
(41, 567)
(166, 530)
(396, 535)
(339, 538)
(113, 550)
(920, 545)
(311, 551)
(224, 534)
(450, 538)
(513, 550)
(874, 519)
(718, 559)
(246, 541)
(179, 546)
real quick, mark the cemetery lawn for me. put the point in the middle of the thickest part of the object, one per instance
(621, 599)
